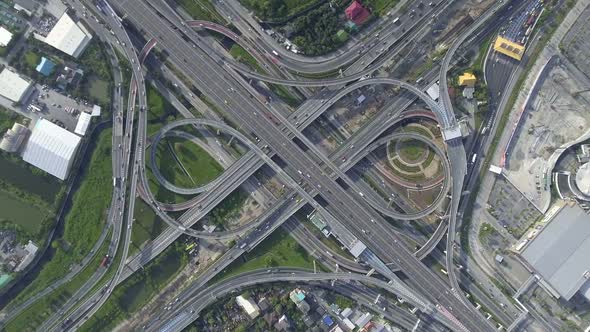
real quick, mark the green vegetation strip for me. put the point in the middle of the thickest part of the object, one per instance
(136, 291)
(147, 226)
(201, 10)
(83, 222)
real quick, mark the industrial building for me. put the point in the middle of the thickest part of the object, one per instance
(14, 137)
(51, 148)
(559, 253)
(5, 37)
(68, 36)
(14, 86)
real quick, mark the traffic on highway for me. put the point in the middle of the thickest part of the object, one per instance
(331, 190)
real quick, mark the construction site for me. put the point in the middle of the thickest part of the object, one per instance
(554, 117)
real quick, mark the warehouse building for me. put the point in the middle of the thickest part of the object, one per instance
(51, 148)
(559, 253)
(14, 86)
(68, 36)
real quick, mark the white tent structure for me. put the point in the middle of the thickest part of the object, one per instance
(51, 148)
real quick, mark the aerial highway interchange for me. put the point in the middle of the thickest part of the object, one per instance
(378, 258)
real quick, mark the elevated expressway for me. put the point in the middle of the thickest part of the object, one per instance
(245, 167)
(342, 206)
(117, 169)
(455, 151)
(122, 161)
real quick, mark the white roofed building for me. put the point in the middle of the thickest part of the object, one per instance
(14, 86)
(434, 91)
(5, 37)
(249, 306)
(83, 123)
(51, 148)
(68, 36)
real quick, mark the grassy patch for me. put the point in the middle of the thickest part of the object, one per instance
(412, 150)
(161, 193)
(85, 219)
(201, 10)
(486, 231)
(202, 167)
(169, 167)
(380, 7)
(136, 291)
(21, 213)
(23, 177)
(32, 59)
(279, 249)
(147, 226)
(159, 109)
(241, 55)
(98, 89)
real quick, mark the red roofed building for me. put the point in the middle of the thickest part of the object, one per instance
(357, 13)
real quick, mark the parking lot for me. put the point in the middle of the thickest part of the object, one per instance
(576, 43)
(512, 210)
(55, 106)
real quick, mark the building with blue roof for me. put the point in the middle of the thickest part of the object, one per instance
(45, 67)
(328, 321)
